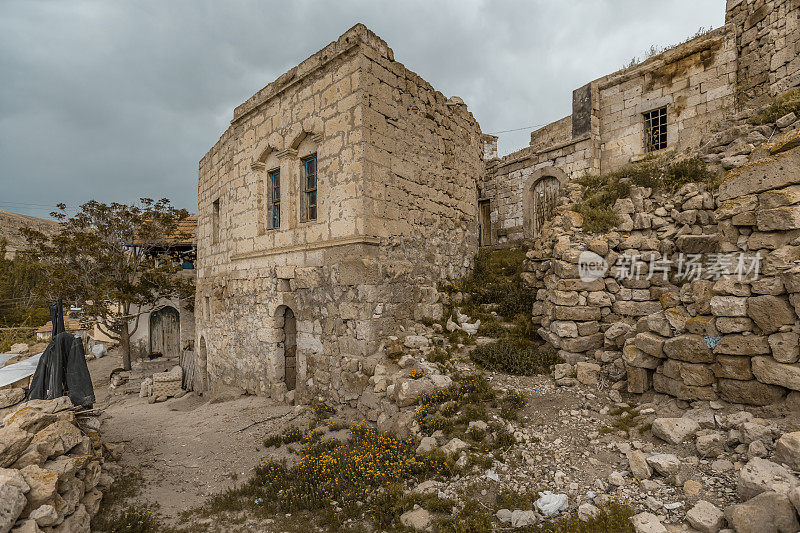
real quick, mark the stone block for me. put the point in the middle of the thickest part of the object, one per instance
(678, 389)
(689, 347)
(738, 344)
(785, 346)
(729, 306)
(779, 218)
(768, 370)
(732, 367)
(770, 312)
(650, 343)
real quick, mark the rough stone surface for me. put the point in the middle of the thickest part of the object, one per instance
(787, 450)
(706, 517)
(767, 512)
(760, 475)
(674, 430)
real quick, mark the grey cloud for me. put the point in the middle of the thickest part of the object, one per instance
(116, 100)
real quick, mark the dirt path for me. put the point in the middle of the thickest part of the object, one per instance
(190, 447)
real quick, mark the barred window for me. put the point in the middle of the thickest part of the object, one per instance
(308, 209)
(274, 200)
(655, 130)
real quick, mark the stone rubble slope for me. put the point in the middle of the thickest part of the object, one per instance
(55, 468)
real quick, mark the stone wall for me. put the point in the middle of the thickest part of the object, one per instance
(701, 82)
(768, 41)
(719, 335)
(398, 165)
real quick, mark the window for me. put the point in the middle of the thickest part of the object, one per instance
(274, 204)
(308, 209)
(215, 221)
(655, 130)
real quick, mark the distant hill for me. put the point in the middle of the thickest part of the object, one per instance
(10, 224)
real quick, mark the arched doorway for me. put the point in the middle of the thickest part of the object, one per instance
(540, 199)
(289, 349)
(202, 366)
(545, 197)
(165, 332)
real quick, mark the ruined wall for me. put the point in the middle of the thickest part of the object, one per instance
(695, 81)
(397, 171)
(701, 82)
(728, 333)
(768, 41)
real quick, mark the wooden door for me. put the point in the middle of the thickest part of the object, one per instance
(545, 199)
(165, 332)
(484, 223)
(290, 349)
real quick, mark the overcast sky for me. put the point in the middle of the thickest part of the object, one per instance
(113, 100)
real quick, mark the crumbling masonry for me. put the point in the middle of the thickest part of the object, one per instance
(347, 189)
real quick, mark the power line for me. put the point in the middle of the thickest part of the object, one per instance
(516, 129)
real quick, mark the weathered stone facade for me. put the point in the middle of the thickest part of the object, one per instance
(397, 167)
(700, 82)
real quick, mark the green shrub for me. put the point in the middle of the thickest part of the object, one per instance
(601, 192)
(496, 279)
(515, 356)
(788, 102)
(437, 355)
(130, 519)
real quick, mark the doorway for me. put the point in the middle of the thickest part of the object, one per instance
(545, 199)
(484, 223)
(289, 349)
(165, 332)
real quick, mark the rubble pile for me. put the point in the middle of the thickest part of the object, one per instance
(53, 465)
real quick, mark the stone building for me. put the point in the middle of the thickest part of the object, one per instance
(669, 102)
(338, 198)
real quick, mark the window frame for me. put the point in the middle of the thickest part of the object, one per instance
(309, 191)
(273, 202)
(655, 120)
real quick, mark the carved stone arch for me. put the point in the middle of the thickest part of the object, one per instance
(539, 196)
(273, 144)
(300, 137)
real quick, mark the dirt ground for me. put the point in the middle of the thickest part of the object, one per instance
(187, 448)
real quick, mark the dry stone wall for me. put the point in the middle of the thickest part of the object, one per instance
(731, 331)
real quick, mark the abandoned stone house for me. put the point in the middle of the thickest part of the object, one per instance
(344, 191)
(338, 198)
(669, 102)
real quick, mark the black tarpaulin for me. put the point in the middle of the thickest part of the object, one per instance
(62, 368)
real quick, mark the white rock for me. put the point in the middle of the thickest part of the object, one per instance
(417, 519)
(665, 464)
(674, 430)
(454, 446)
(647, 523)
(504, 515)
(520, 518)
(706, 517)
(550, 504)
(760, 475)
(587, 511)
(427, 445)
